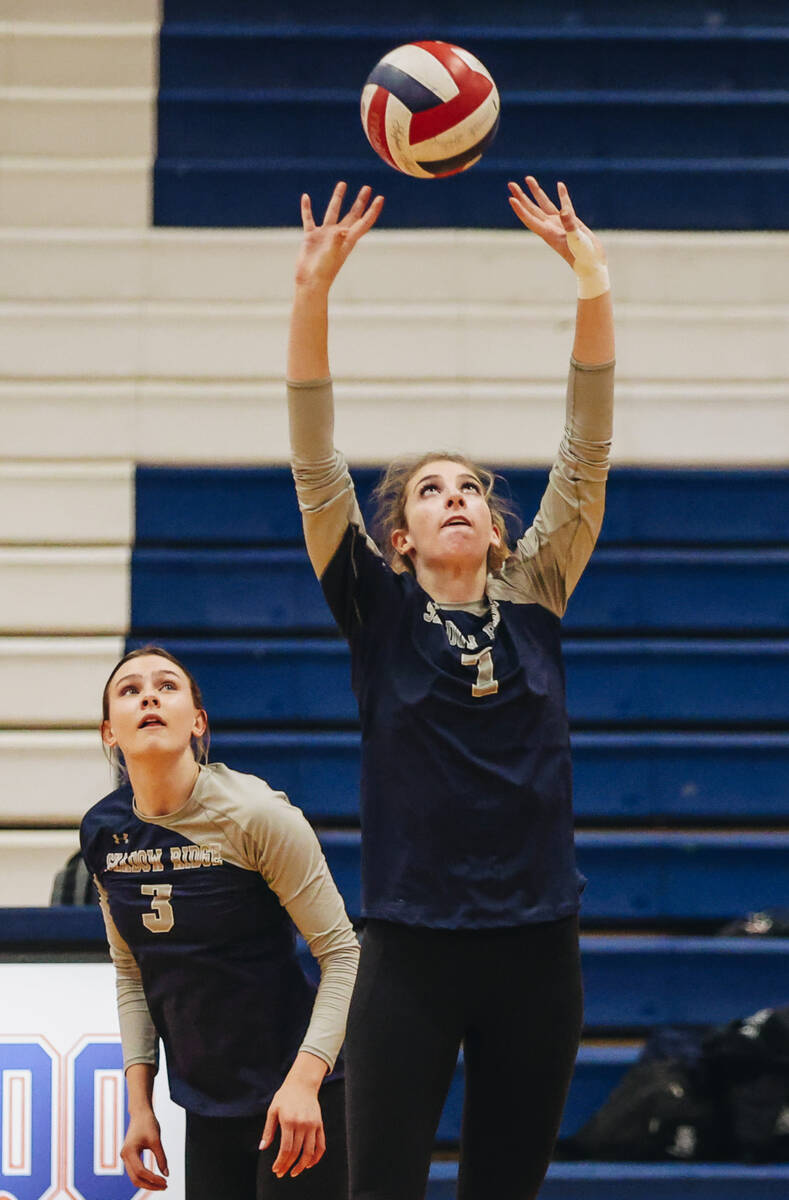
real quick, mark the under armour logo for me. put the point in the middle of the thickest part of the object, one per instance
(120, 837)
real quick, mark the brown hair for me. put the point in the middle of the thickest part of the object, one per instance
(389, 497)
(199, 744)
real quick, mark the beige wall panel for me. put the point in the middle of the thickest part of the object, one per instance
(73, 56)
(54, 682)
(69, 192)
(51, 778)
(90, 123)
(497, 267)
(66, 503)
(29, 862)
(57, 591)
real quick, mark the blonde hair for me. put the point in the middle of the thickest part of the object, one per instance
(389, 498)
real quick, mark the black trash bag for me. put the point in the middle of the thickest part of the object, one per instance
(657, 1112)
(73, 884)
(748, 1065)
(759, 1115)
(748, 1047)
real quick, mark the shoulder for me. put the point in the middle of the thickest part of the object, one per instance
(236, 791)
(107, 815)
(115, 803)
(357, 579)
(244, 801)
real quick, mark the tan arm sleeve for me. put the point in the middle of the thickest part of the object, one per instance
(551, 556)
(139, 1038)
(324, 488)
(292, 863)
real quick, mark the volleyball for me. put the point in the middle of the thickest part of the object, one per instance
(430, 109)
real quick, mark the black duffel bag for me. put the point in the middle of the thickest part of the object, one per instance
(748, 1064)
(659, 1111)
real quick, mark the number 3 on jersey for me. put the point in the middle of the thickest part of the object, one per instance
(485, 684)
(162, 919)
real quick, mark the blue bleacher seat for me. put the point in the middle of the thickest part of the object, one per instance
(424, 15)
(648, 876)
(552, 57)
(622, 101)
(609, 682)
(633, 777)
(654, 507)
(642, 1181)
(631, 982)
(249, 591)
(597, 1072)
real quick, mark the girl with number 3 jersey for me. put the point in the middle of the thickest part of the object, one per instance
(470, 888)
(202, 874)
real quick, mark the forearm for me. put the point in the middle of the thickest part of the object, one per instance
(588, 419)
(311, 422)
(326, 1031)
(554, 551)
(139, 1039)
(307, 1070)
(139, 1088)
(292, 862)
(323, 485)
(308, 342)
(594, 331)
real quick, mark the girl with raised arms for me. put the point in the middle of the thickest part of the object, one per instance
(202, 873)
(470, 888)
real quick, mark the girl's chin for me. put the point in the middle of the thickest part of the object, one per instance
(461, 555)
(154, 745)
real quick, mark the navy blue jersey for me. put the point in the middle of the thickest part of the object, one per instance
(185, 898)
(466, 777)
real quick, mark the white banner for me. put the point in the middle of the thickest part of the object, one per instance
(62, 1099)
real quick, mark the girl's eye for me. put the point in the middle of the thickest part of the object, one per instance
(128, 690)
(169, 684)
(470, 484)
(428, 487)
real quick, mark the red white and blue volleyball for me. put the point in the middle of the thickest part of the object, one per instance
(430, 109)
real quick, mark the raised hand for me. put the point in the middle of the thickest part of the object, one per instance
(560, 228)
(325, 247)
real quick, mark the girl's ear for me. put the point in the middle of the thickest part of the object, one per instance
(107, 736)
(200, 723)
(401, 542)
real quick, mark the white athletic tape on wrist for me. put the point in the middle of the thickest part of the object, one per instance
(590, 272)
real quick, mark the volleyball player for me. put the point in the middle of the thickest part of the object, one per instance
(202, 873)
(470, 887)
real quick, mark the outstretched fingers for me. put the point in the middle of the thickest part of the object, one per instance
(358, 206)
(335, 204)
(543, 199)
(526, 210)
(567, 212)
(526, 202)
(362, 218)
(372, 214)
(307, 219)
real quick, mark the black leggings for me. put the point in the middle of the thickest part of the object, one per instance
(223, 1161)
(513, 998)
